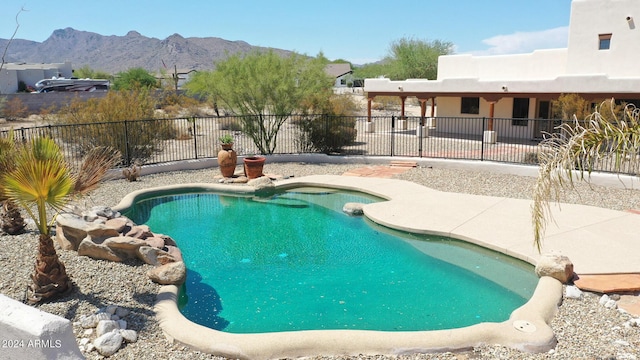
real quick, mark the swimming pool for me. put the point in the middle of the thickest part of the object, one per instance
(294, 262)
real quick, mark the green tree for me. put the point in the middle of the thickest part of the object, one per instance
(408, 59)
(264, 88)
(86, 72)
(608, 134)
(41, 179)
(417, 59)
(134, 79)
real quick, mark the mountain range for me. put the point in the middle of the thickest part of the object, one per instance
(114, 53)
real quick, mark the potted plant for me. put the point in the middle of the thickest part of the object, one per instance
(253, 166)
(227, 157)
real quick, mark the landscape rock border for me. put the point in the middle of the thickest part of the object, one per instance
(104, 234)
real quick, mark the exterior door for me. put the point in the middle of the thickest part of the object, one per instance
(543, 123)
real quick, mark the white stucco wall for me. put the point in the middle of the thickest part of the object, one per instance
(541, 64)
(589, 18)
(8, 81)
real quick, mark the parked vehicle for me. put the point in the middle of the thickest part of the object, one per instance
(71, 84)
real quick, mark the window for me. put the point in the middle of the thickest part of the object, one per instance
(605, 41)
(470, 105)
(520, 111)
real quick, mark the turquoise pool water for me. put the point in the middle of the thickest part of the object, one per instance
(294, 261)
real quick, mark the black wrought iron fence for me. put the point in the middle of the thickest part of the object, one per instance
(164, 140)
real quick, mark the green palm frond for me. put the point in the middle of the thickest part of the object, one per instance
(41, 178)
(572, 153)
(8, 152)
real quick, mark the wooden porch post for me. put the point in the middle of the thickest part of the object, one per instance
(402, 101)
(491, 113)
(369, 126)
(423, 110)
(433, 107)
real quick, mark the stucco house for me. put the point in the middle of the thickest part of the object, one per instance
(600, 62)
(30, 74)
(342, 73)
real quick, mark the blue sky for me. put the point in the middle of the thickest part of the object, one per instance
(356, 30)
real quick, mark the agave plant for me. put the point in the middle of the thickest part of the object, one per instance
(570, 155)
(42, 181)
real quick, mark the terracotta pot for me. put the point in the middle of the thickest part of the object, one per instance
(253, 166)
(227, 159)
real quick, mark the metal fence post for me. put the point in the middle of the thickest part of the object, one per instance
(126, 144)
(195, 137)
(484, 123)
(393, 126)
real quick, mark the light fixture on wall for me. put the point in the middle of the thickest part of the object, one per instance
(504, 88)
(400, 88)
(632, 25)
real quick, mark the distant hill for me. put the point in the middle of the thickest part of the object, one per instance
(119, 53)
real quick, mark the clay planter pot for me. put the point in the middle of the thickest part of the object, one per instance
(227, 159)
(253, 166)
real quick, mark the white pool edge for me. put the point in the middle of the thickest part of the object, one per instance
(528, 328)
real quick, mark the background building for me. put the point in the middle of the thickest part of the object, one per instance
(599, 63)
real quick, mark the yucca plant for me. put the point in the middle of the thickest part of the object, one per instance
(42, 180)
(571, 154)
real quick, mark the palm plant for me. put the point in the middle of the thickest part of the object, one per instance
(43, 180)
(571, 154)
(11, 220)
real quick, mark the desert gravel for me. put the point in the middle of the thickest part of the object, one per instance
(584, 328)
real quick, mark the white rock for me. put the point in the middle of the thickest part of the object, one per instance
(111, 309)
(611, 304)
(84, 341)
(572, 292)
(89, 321)
(604, 299)
(105, 326)
(102, 316)
(90, 347)
(129, 335)
(122, 324)
(621, 342)
(88, 332)
(108, 343)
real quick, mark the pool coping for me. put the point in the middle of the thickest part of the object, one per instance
(528, 328)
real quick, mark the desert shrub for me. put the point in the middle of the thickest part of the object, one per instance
(123, 120)
(569, 105)
(386, 103)
(176, 104)
(231, 123)
(325, 133)
(14, 109)
(531, 157)
(333, 130)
